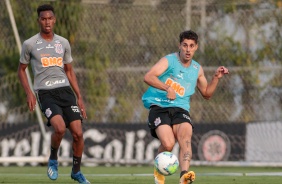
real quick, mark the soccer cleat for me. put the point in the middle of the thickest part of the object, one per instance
(52, 171)
(79, 177)
(159, 178)
(187, 178)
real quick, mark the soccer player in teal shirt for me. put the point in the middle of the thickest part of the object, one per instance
(172, 81)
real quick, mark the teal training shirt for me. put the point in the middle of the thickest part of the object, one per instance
(182, 79)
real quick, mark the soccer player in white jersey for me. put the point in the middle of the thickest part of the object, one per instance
(54, 85)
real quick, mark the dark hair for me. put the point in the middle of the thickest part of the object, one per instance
(45, 7)
(190, 35)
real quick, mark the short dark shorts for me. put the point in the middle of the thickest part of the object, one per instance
(166, 116)
(60, 101)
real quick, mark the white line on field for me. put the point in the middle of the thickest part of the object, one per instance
(198, 174)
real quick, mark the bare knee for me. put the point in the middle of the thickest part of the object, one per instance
(77, 136)
(60, 131)
(59, 126)
(168, 145)
(76, 131)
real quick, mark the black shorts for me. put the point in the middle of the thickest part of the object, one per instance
(60, 101)
(166, 116)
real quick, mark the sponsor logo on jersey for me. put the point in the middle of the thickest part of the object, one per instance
(52, 61)
(40, 48)
(173, 78)
(58, 48)
(195, 66)
(38, 41)
(180, 75)
(44, 55)
(49, 46)
(180, 90)
(164, 100)
(51, 83)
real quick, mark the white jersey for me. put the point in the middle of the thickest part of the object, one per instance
(47, 61)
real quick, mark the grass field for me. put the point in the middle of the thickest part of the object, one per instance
(143, 175)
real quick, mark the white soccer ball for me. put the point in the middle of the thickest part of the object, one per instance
(166, 163)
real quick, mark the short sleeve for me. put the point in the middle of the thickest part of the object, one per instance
(67, 56)
(25, 53)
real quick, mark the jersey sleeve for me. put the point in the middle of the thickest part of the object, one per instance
(67, 56)
(25, 53)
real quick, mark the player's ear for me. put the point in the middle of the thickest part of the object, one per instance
(196, 46)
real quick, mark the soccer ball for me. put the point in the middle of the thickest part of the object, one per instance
(166, 163)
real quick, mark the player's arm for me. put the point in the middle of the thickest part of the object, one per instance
(74, 84)
(30, 97)
(206, 89)
(151, 78)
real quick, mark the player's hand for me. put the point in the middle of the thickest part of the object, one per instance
(31, 101)
(82, 108)
(221, 71)
(171, 95)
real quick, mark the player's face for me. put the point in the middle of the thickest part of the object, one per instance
(187, 50)
(46, 21)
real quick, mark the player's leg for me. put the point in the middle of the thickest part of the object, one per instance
(166, 137)
(183, 132)
(75, 128)
(59, 127)
(48, 104)
(77, 144)
(183, 129)
(159, 124)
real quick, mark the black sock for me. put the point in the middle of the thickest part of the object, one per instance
(182, 172)
(76, 164)
(53, 154)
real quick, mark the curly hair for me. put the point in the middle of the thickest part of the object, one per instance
(45, 7)
(190, 35)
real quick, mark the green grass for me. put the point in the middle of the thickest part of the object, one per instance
(142, 175)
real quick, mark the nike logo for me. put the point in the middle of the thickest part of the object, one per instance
(40, 48)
